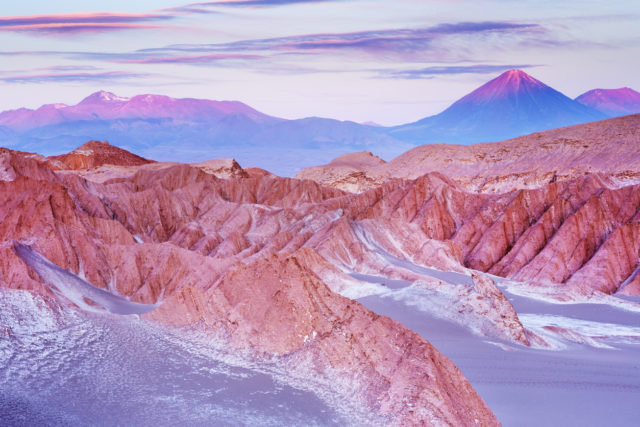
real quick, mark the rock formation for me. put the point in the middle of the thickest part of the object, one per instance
(607, 147)
(234, 257)
(97, 153)
(266, 263)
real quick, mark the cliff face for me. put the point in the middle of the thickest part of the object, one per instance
(557, 235)
(275, 306)
(557, 208)
(236, 258)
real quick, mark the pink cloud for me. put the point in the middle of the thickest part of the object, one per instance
(201, 59)
(80, 22)
(71, 77)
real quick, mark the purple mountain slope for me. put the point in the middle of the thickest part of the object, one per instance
(107, 106)
(510, 105)
(613, 102)
(189, 130)
(164, 128)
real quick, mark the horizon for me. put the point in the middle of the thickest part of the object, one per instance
(506, 74)
(361, 61)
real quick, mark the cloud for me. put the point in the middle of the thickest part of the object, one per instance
(68, 68)
(205, 7)
(201, 59)
(427, 44)
(108, 76)
(430, 72)
(387, 41)
(53, 68)
(81, 22)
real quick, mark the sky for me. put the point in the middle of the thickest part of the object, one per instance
(384, 61)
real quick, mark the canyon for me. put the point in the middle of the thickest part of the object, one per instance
(342, 278)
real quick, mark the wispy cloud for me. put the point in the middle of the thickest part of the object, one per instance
(398, 40)
(53, 68)
(209, 6)
(68, 68)
(430, 72)
(199, 59)
(81, 22)
(108, 76)
(282, 54)
(391, 42)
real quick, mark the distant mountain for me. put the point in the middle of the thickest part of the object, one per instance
(511, 105)
(107, 106)
(613, 102)
(190, 130)
(5, 131)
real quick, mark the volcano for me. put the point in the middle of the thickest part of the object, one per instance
(511, 105)
(613, 102)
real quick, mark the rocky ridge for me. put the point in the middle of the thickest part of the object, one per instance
(607, 147)
(228, 256)
(97, 153)
(234, 252)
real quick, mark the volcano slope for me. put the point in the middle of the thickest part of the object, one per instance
(238, 258)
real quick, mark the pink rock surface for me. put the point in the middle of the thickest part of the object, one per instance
(275, 306)
(258, 259)
(236, 258)
(607, 147)
(97, 153)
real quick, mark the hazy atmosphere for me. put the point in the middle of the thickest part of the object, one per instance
(317, 213)
(361, 60)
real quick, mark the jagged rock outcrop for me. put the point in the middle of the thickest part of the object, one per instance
(236, 251)
(97, 153)
(222, 168)
(480, 307)
(346, 172)
(234, 257)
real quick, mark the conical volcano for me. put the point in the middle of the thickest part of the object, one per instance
(510, 105)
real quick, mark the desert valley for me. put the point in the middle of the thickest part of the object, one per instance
(331, 287)
(319, 213)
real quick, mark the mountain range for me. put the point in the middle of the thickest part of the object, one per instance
(164, 128)
(187, 129)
